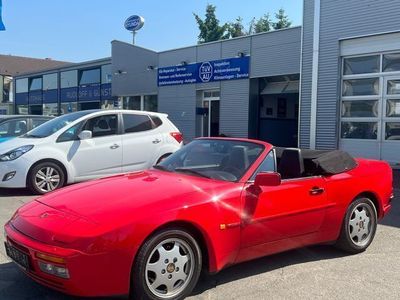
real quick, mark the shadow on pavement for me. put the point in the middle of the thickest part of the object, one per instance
(14, 192)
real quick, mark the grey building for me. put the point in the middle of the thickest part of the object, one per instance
(332, 83)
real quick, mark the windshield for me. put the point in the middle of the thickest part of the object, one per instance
(226, 160)
(55, 125)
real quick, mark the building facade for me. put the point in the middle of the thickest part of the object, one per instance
(332, 83)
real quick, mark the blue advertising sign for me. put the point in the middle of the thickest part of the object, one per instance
(106, 91)
(208, 71)
(69, 94)
(50, 96)
(35, 97)
(90, 92)
(21, 98)
(134, 23)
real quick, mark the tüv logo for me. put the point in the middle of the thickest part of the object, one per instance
(206, 72)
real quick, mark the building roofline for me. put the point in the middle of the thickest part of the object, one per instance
(66, 67)
(132, 45)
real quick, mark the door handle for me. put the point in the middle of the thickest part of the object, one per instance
(316, 191)
(156, 141)
(115, 146)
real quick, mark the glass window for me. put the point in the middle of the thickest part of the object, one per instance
(22, 85)
(50, 109)
(69, 79)
(106, 74)
(360, 108)
(70, 134)
(361, 65)
(89, 76)
(268, 165)
(136, 123)
(393, 87)
(13, 128)
(68, 107)
(37, 122)
(391, 62)
(7, 89)
(392, 131)
(157, 121)
(102, 125)
(132, 103)
(36, 109)
(89, 105)
(150, 103)
(359, 130)
(361, 87)
(107, 104)
(50, 81)
(36, 84)
(393, 108)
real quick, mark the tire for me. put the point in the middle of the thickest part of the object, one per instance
(359, 226)
(45, 177)
(171, 256)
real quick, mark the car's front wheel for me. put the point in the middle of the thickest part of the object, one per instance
(45, 177)
(359, 226)
(167, 266)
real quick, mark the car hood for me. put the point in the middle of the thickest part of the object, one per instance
(13, 143)
(138, 194)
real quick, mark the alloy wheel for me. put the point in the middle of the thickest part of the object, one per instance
(47, 179)
(360, 224)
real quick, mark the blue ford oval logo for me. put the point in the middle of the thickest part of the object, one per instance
(205, 71)
(134, 23)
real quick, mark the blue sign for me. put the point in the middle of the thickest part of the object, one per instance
(90, 92)
(106, 91)
(35, 97)
(134, 23)
(69, 94)
(21, 98)
(208, 71)
(50, 96)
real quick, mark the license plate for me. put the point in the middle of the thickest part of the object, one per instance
(18, 256)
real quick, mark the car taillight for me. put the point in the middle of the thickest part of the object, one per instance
(177, 136)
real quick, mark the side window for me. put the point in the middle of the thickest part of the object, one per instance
(70, 134)
(13, 128)
(37, 122)
(157, 121)
(268, 165)
(136, 123)
(102, 125)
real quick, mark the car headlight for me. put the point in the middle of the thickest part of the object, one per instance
(15, 153)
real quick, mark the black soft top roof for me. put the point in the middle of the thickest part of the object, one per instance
(326, 162)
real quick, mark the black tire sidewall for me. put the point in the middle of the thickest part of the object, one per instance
(345, 232)
(139, 289)
(31, 176)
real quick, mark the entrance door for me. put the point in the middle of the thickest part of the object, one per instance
(390, 123)
(210, 126)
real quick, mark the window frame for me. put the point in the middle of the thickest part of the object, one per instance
(117, 131)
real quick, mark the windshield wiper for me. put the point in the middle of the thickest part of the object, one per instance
(191, 171)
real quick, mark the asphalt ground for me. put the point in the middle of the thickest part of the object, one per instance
(319, 272)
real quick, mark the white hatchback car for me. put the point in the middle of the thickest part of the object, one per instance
(85, 145)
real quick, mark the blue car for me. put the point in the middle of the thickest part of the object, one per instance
(12, 126)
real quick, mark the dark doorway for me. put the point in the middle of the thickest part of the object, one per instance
(89, 105)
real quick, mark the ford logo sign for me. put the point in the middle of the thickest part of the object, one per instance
(134, 23)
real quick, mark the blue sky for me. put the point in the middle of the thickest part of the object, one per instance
(78, 30)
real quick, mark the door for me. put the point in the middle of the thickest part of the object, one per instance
(99, 156)
(294, 208)
(390, 123)
(211, 118)
(141, 142)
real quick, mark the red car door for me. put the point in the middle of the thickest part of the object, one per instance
(276, 213)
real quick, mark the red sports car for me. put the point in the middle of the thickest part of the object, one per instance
(214, 203)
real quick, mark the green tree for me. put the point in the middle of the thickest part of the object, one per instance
(263, 24)
(210, 30)
(282, 20)
(236, 28)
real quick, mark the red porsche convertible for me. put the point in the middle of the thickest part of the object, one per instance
(214, 203)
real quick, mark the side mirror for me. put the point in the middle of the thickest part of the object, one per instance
(85, 135)
(267, 179)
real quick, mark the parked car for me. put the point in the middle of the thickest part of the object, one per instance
(213, 203)
(12, 126)
(85, 145)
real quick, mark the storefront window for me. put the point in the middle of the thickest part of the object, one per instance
(50, 109)
(22, 109)
(391, 62)
(69, 79)
(359, 130)
(36, 84)
(22, 85)
(50, 81)
(393, 108)
(68, 107)
(89, 76)
(107, 104)
(361, 87)
(392, 131)
(150, 103)
(360, 108)
(106, 74)
(132, 102)
(361, 65)
(7, 89)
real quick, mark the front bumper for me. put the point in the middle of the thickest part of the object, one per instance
(91, 275)
(21, 167)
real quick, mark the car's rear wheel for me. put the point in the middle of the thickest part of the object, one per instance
(45, 177)
(167, 266)
(359, 226)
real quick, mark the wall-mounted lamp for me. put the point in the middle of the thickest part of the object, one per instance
(150, 68)
(120, 72)
(241, 54)
(184, 63)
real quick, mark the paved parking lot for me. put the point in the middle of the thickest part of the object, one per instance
(320, 272)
